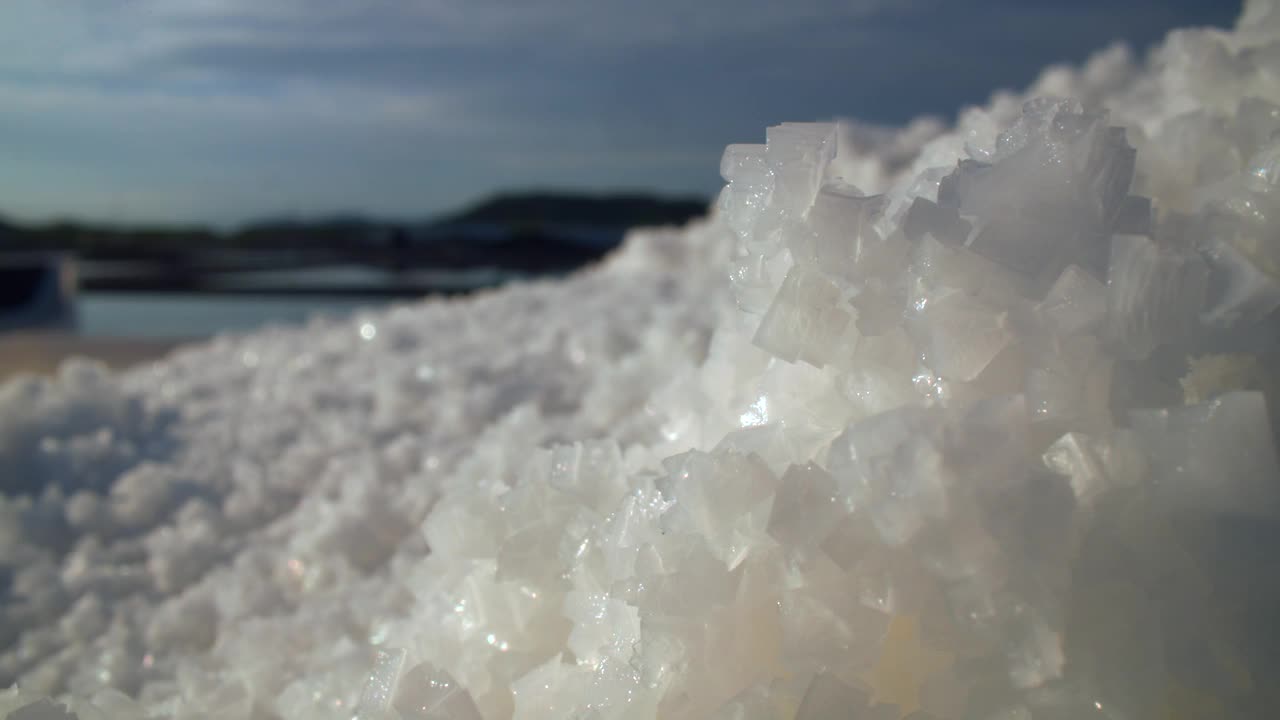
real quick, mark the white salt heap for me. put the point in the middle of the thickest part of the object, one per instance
(977, 427)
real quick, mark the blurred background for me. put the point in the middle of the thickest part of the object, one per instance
(171, 169)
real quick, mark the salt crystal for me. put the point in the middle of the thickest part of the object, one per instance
(1245, 293)
(1073, 455)
(426, 692)
(380, 688)
(799, 153)
(745, 164)
(839, 235)
(806, 506)
(1035, 650)
(1217, 456)
(827, 697)
(1075, 304)
(1154, 293)
(805, 321)
(960, 335)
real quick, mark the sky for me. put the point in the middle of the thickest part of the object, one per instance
(226, 111)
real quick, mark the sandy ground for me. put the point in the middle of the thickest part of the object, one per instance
(41, 352)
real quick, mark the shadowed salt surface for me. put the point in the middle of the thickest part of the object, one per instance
(969, 423)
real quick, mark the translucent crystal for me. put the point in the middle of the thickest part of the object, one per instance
(891, 465)
(1057, 187)
(380, 688)
(1217, 456)
(1242, 292)
(941, 268)
(602, 627)
(1154, 293)
(906, 664)
(722, 497)
(1257, 123)
(1069, 385)
(426, 692)
(1076, 303)
(798, 153)
(828, 697)
(1035, 650)
(839, 235)
(943, 224)
(592, 471)
(961, 336)
(805, 321)
(1074, 456)
(806, 507)
(745, 164)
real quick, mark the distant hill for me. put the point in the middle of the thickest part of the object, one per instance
(543, 209)
(518, 234)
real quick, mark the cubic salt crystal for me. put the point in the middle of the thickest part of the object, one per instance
(1155, 293)
(1133, 217)
(824, 625)
(745, 164)
(806, 507)
(828, 697)
(1110, 168)
(761, 701)
(602, 627)
(753, 287)
(962, 548)
(1059, 184)
(1243, 293)
(1217, 456)
(891, 465)
(1070, 385)
(805, 321)
(880, 378)
(879, 307)
(955, 188)
(697, 582)
(798, 153)
(989, 445)
(959, 335)
(426, 692)
(740, 207)
(467, 526)
(939, 267)
(852, 454)
(909, 492)
(839, 236)
(1074, 456)
(1034, 649)
(943, 224)
(592, 471)
(1257, 123)
(380, 687)
(1075, 304)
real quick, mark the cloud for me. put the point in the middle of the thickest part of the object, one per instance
(407, 106)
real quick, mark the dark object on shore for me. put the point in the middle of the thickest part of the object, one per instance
(36, 291)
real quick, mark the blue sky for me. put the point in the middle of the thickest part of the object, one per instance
(223, 111)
